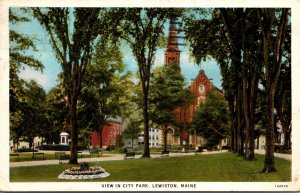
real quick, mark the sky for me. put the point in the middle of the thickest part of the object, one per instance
(48, 78)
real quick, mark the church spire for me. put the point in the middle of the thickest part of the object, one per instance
(172, 53)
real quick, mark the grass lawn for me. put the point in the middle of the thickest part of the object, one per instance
(225, 167)
(48, 156)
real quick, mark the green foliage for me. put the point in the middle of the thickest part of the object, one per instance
(211, 120)
(165, 89)
(57, 112)
(33, 119)
(18, 45)
(106, 87)
(84, 166)
(73, 33)
(132, 129)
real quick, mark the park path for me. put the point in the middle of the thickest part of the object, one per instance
(105, 157)
(280, 155)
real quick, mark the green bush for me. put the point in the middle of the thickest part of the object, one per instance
(84, 166)
(57, 147)
(110, 148)
(123, 150)
(25, 150)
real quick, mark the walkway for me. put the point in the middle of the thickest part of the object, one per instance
(279, 155)
(104, 157)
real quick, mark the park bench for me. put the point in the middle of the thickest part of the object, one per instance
(41, 155)
(63, 157)
(15, 155)
(95, 151)
(164, 154)
(129, 155)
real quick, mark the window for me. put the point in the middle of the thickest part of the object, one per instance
(201, 88)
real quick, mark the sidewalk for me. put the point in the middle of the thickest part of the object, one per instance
(105, 157)
(279, 155)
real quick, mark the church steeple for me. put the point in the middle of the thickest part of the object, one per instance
(172, 53)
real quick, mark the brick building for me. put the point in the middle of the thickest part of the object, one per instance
(111, 130)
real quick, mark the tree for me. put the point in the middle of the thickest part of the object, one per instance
(18, 58)
(273, 42)
(34, 113)
(72, 33)
(211, 120)
(132, 130)
(239, 58)
(208, 38)
(282, 101)
(104, 88)
(142, 29)
(166, 94)
(57, 112)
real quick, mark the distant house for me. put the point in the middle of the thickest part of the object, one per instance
(22, 144)
(155, 139)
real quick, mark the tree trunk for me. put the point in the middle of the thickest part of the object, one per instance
(233, 130)
(240, 123)
(235, 135)
(245, 98)
(287, 136)
(146, 153)
(33, 149)
(269, 164)
(74, 131)
(165, 134)
(249, 103)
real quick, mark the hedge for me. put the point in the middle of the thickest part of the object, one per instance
(56, 147)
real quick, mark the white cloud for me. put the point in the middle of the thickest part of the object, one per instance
(42, 79)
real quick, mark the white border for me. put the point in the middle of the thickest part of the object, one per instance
(200, 186)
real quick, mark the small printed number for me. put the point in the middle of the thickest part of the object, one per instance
(281, 186)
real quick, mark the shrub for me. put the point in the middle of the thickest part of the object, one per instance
(122, 150)
(110, 148)
(84, 166)
(225, 147)
(25, 150)
(57, 147)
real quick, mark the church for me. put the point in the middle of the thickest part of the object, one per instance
(199, 86)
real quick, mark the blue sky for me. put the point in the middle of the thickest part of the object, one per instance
(48, 78)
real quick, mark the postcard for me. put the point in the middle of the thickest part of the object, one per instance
(149, 95)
